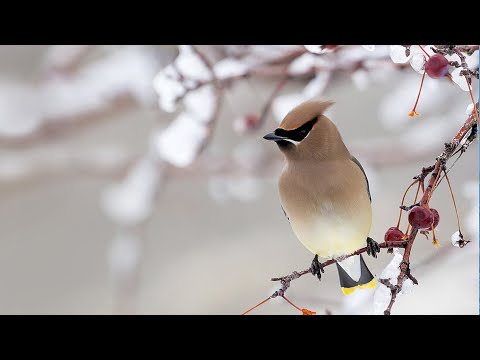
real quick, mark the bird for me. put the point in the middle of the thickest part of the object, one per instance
(324, 193)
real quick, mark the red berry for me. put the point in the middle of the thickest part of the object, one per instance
(420, 218)
(331, 47)
(436, 217)
(393, 234)
(437, 66)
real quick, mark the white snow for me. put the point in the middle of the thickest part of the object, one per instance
(459, 79)
(315, 49)
(417, 62)
(200, 104)
(302, 64)
(382, 295)
(469, 109)
(168, 88)
(168, 82)
(190, 65)
(369, 47)
(456, 238)
(180, 142)
(229, 67)
(397, 54)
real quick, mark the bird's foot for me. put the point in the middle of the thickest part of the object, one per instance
(317, 268)
(372, 247)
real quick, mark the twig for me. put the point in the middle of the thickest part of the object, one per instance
(439, 166)
(218, 99)
(286, 280)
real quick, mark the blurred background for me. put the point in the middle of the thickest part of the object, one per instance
(134, 179)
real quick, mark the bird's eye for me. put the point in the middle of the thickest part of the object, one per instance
(303, 133)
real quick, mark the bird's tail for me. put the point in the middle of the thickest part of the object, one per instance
(354, 274)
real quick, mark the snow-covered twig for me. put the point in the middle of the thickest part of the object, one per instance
(437, 169)
(286, 280)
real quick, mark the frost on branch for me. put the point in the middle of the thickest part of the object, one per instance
(230, 67)
(180, 142)
(469, 109)
(306, 63)
(169, 83)
(369, 47)
(383, 294)
(314, 49)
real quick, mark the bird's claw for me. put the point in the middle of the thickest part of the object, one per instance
(317, 268)
(372, 247)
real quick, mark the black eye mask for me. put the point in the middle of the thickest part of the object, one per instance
(297, 134)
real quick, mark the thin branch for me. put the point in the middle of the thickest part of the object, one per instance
(286, 280)
(439, 166)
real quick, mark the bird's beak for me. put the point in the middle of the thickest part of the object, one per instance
(273, 137)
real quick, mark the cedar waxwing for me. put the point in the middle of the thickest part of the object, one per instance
(324, 193)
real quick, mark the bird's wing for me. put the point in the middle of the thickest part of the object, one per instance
(363, 171)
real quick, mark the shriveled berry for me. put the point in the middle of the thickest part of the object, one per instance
(436, 217)
(437, 66)
(393, 234)
(420, 218)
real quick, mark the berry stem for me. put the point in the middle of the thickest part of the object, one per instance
(471, 96)
(414, 201)
(421, 47)
(295, 306)
(434, 240)
(414, 110)
(259, 304)
(403, 202)
(454, 202)
(433, 189)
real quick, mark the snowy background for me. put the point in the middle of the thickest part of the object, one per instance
(117, 198)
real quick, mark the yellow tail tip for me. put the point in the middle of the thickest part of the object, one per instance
(369, 285)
